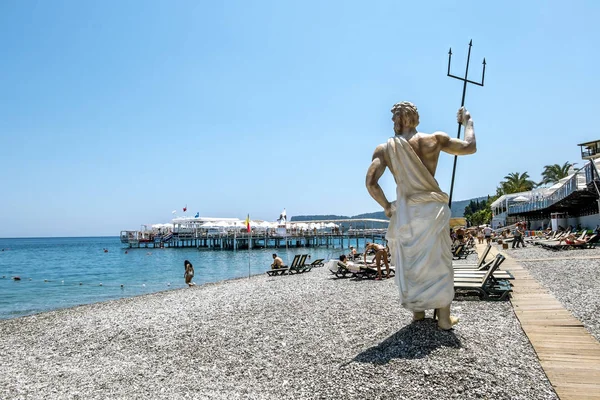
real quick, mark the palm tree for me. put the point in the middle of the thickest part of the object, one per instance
(553, 173)
(515, 183)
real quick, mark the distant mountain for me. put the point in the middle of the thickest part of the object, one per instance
(347, 225)
(458, 210)
(458, 207)
(374, 215)
(316, 217)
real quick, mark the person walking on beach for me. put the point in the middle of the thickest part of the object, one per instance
(480, 236)
(518, 237)
(189, 273)
(487, 234)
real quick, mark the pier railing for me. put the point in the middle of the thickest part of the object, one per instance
(232, 239)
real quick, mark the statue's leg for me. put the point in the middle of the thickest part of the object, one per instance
(445, 320)
(418, 315)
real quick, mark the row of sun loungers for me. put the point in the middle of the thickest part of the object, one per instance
(484, 278)
(358, 271)
(461, 251)
(297, 266)
(561, 241)
(487, 285)
(480, 260)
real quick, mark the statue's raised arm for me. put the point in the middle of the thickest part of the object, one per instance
(459, 147)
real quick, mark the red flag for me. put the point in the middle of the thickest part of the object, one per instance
(248, 223)
(185, 208)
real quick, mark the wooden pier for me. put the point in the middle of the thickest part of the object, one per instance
(234, 241)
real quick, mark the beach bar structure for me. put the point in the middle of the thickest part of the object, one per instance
(232, 234)
(573, 200)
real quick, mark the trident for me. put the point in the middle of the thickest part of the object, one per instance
(462, 103)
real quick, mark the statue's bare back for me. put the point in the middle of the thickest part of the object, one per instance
(426, 146)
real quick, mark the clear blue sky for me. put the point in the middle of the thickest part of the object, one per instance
(115, 113)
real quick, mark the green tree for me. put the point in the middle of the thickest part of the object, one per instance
(515, 183)
(473, 211)
(553, 173)
(483, 216)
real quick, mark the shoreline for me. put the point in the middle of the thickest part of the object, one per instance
(298, 337)
(125, 298)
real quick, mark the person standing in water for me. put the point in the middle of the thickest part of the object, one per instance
(189, 273)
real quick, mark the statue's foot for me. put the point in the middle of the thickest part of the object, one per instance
(445, 320)
(418, 315)
(447, 325)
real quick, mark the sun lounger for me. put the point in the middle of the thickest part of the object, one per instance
(359, 271)
(552, 239)
(482, 267)
(541, 237)
(561, 243)
(307, 267)
(477, 275)
(370, 271)
(277, 271)
(480, 261)
(578, 244)
(343, 270)
(459, 252)
(299, 267)
(284, 269)
(592, 242)
(471, 275)
(317, 263)
(488, 287)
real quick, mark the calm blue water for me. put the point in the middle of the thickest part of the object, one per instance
(65, 272)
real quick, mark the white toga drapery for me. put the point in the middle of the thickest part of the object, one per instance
(418, 234)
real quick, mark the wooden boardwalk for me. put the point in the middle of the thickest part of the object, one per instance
(569, 355)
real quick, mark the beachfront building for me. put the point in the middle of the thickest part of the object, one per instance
(574, 200)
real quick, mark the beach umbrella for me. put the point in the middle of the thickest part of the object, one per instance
(221, 224)
(520, 199)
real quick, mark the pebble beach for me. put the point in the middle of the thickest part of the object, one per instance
(307, 336)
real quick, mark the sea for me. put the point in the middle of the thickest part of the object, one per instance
(58, 273)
